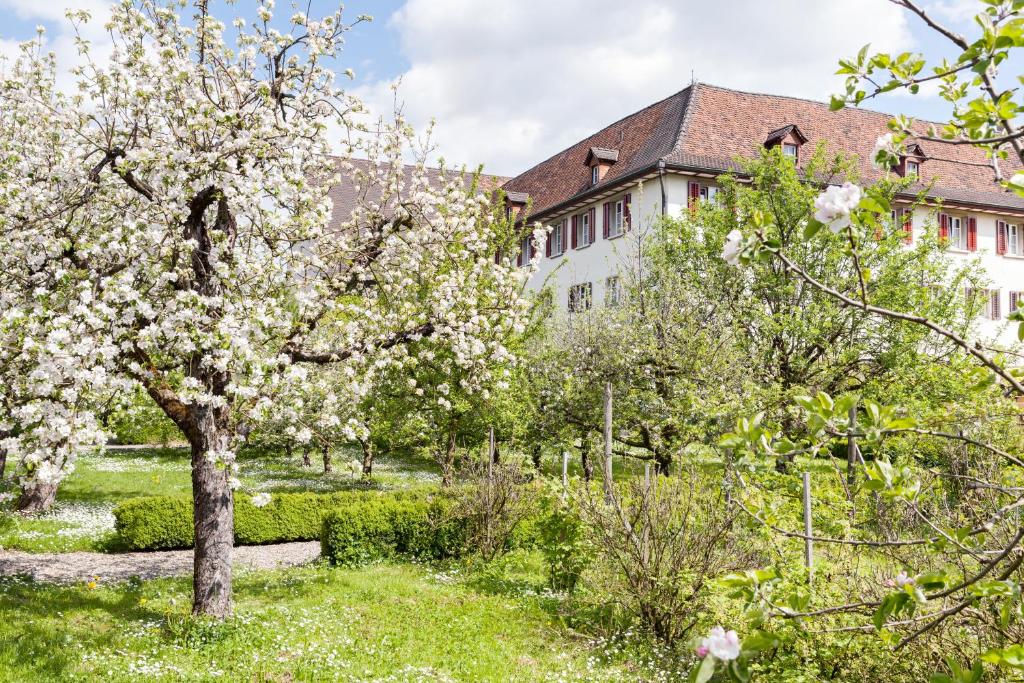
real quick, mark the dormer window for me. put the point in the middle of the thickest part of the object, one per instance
(789, 138)
(910, 161)
(913, 167)
(600, 159)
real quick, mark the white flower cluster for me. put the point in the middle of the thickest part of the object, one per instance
(833, 206)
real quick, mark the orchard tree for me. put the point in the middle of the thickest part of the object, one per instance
(181, 196)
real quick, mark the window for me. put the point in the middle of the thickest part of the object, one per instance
(584, 230)
(702, 193)
(525, 251)
(913, 167)
(556, 239)
(1013, 241)
(595, 174)
(957, 233)
(616, 219)
(1016, 298)
(790, 150)
(612, 291)
(580, 297)
(987, 300)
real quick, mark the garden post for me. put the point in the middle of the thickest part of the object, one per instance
(808, 529)
(851, 459)
(608, 441)
(565, 472)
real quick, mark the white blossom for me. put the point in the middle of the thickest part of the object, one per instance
(261, 499)
(833, 206)
(732, 248)
(722, 644)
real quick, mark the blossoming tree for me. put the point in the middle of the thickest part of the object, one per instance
(182, 194)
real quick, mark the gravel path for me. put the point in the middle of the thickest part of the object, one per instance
(115, 567)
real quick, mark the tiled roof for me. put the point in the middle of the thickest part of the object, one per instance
(347, 194)
(707, 128)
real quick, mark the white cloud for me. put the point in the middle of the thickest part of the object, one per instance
(512, 83)
(60, 34)
(957, 11)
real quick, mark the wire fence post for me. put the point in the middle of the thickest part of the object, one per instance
(808, 529)
(607, 465)
(565, 473)
(851, 460)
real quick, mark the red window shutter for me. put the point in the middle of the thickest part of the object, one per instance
(694, 195)
(547, 243)
(593, 226)
(1000, 237)
(943, 227)
(972, 234)
(995, 305)
(565, 233)
(520, 255)
(1013, 301)
(575, 224)
(908, 225)
(607, 214)
(625, 211)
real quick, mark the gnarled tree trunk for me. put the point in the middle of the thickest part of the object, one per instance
(213, 506)
(586, 446)
(367, 447)
(448, 460)
(36, 497)
(325, 452)
(305, 456)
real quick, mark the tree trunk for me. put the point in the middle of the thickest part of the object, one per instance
(367, 447)
(3, 463)
(36, 497)
(586, 462)
(305, 456)
(325, 452)
(448, 464)
(214, 520)
(535, 456)
(288, 449)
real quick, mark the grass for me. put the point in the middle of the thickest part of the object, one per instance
(82, 517)
(380, 623)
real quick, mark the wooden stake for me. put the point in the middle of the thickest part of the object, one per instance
(808, 529)
(608, 441)
(565, 470)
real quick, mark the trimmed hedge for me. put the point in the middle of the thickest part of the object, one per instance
(164, 522)
(374, 529)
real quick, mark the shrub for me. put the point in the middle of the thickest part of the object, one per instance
(563, 542)
(162, 522)
(374, 529)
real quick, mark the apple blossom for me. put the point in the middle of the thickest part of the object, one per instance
(722, 644)
(885, 149)
(261, 499)
(732, 248)
(833, 206)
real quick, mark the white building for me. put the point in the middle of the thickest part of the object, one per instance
(659, 159)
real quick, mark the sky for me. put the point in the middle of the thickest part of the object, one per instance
(510, 84)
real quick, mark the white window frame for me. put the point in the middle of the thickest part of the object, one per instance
(915, 171)
(616, 218)
(957, 235)
(595, 174)
(708, 194)
(612, 290)
(584, 231)
(580, 297)
(557, 238)
(793, 146)
(524, 249)
(1013, 241)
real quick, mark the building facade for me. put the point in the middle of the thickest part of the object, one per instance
(599, 193)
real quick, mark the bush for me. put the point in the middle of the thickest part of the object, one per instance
(162, 522)
(373, 529)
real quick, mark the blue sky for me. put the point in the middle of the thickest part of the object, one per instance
(511, 84)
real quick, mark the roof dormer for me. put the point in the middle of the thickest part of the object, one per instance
(515, 202)
(911, 159)
(789, 138)
(600, 159)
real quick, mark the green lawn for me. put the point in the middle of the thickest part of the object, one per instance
(82, 517)
(380, 623)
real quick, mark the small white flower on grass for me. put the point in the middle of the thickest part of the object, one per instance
(261, 499)
(355, 467)
(833, 206)
(731, 250)
(721, 644)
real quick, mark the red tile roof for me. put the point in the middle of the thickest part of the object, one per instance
(347, 194)
(707, 128)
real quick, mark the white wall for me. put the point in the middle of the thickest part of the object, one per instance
(604, 257)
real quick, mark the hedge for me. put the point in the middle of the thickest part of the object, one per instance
(373, 529)
(163, 522)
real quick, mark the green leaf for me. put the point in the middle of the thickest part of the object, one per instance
(704, 671)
